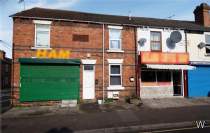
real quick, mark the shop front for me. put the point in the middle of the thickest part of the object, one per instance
(50, 76)
(163, 74)
(199, 81)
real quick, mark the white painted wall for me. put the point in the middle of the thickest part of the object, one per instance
(196, 54)
(145, 33)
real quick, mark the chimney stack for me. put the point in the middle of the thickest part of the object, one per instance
(202, 14)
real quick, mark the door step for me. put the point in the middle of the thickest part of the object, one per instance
(89, 100)
(68, 103)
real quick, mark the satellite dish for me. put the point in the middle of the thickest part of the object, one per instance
(201, 45)
(142, 41)
(176, 36)
(170, 43)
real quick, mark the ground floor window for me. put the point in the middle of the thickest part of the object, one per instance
(158, 78)
(115, 75)
(155, 76)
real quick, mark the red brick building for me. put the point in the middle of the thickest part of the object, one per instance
(84, 40)
(64, 55)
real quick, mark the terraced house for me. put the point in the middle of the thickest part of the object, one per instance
(63, 55)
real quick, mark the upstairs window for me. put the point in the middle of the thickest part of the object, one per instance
(114, 39)
(42, 33)
(207, 38)
(155, 41)
(42, 36)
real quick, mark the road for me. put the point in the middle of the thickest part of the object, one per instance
(184, 130)
(76, 121)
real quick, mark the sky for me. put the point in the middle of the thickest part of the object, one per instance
(173, 9)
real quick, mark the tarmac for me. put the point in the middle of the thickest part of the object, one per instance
(152, 114)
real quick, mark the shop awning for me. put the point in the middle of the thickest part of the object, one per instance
(170, 67)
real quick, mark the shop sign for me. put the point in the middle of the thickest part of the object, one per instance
(164, 58)
(55, 54)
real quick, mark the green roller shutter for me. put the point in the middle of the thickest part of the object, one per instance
(49, 81)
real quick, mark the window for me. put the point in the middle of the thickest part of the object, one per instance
(155, 41)
(155, 76)
(163, 76)
(115, 75)
(42, 35)
(207, 38)
(114, 39)
(88, 67)
(148, 76)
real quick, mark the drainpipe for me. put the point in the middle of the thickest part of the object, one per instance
(185, 33)
(185, 75)
(136, 64)
(103, 62)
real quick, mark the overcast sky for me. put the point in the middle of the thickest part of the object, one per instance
(179, 9)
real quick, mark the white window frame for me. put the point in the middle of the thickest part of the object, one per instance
(115, 39)
(41, 22)
(208, 54)
(114, 62)
(153, 31)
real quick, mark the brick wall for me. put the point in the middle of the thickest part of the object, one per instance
(61, 38)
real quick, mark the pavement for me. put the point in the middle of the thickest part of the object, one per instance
(120, 117)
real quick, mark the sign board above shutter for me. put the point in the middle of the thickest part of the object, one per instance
(164, 58)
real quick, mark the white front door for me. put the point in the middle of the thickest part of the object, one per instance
(88, 82)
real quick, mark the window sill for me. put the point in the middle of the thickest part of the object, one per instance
(40, 48)
(115, 51)
(115, 87)
(207, 54)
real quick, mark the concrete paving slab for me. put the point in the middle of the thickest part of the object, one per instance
(175, 102)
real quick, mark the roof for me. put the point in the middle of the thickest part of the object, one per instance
(55, 14)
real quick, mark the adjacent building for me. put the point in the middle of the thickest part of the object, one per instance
(198, 47)
(5, 79)
(63, 55)
(163, 62)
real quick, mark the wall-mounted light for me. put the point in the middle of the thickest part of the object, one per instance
(131, 79)
(88, 55)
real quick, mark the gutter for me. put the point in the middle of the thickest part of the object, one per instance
(95, 22)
